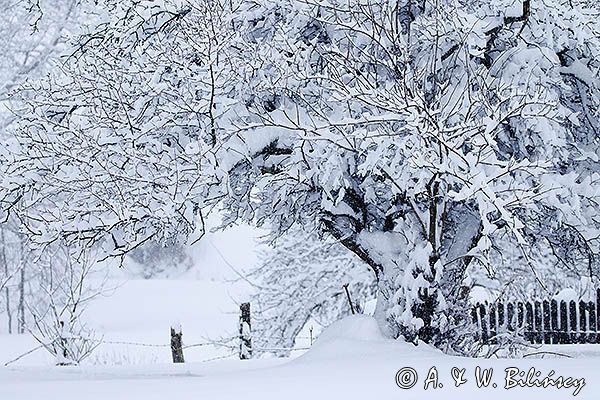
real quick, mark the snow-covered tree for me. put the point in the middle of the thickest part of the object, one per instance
(418, 136)
(416, 133)
(138, 174)
(302, 278)
(29, 48)
(14, 276)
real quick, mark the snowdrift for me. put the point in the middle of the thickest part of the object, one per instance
(359, 337)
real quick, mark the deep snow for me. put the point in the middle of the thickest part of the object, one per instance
(351, 360)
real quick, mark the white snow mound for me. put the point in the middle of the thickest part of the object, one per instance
(358, 337)
(354, 327)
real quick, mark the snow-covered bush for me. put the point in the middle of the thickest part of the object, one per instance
(301, 278)
(64, 287)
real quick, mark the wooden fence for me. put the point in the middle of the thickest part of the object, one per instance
(546, 321)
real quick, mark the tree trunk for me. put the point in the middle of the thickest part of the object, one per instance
(21, 306)
(6, 289)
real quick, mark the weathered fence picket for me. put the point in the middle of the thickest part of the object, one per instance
(572, 322)
(547, 322)
(542, 321)
(554, 321)
(593, 327)
(529, 329)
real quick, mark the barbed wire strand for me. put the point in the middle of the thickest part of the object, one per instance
(216, 344)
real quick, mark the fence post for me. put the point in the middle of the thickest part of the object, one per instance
(493, 324)
(520, 316)
(510, 317)
(245, 332)
(177, 344)
(501, 319)
(564, 323)
(479, 315)
(537, 318)
(583, 326)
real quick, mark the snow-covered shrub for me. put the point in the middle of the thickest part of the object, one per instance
(64, 287)
(300, 278)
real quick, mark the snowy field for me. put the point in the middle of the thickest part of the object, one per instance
(349, 361)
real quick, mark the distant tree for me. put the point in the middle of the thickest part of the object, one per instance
(154, 259)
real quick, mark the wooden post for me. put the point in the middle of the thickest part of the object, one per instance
(583, 326)
(245, 332)
(510, 317)
(501, 319)
(520, 316)
(475, 319)
(485, 335)
(538, 327)
(177, 344)
(564, 323)
(529, 327)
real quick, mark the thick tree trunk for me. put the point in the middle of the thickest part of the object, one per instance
(420, 284)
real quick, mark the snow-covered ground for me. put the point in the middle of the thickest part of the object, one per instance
(132, 316)
(350, 360)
